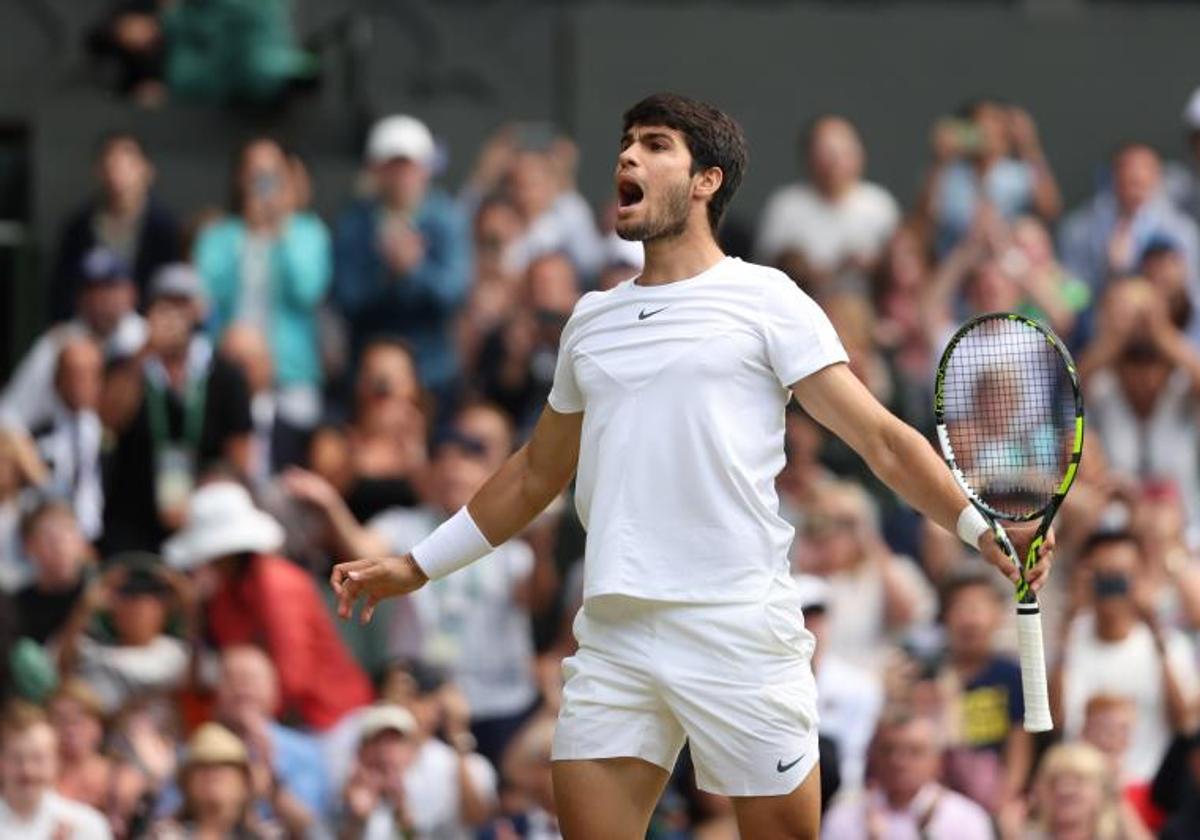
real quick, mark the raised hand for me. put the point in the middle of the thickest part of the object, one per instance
(373, 580)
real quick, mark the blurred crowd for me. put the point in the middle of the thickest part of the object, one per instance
(228, 402)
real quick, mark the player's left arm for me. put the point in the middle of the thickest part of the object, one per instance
(901, 457)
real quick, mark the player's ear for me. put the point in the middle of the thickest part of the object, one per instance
(708, 181)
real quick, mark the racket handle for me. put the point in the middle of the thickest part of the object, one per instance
(1033, 668)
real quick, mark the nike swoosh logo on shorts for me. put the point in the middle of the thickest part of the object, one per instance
(783, 768)
(643, 315)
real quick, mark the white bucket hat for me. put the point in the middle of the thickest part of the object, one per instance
(221, 520)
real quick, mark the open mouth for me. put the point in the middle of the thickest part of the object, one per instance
(629, 193)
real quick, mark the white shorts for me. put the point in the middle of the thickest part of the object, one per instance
(735, 680)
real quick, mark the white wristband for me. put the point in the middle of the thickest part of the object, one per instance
(972, 525)
(455, 543)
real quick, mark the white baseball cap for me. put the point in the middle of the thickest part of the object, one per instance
(1191, 111)
(401, 136)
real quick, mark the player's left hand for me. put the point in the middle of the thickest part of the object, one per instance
(1021, 535)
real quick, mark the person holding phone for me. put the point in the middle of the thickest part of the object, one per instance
(269, 264)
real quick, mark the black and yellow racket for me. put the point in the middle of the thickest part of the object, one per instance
(1010, 424)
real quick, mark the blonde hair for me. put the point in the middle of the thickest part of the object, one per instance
(1084, 760)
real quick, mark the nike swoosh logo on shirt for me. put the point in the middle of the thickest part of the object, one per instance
(643, 315)
(783, 768)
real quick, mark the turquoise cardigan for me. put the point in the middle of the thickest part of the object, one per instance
(301, 268)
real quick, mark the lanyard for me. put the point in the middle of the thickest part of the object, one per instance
(193, 412)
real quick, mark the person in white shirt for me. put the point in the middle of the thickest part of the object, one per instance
(668, 401)
(70, 439)
(29, 807)
(1117, 648)
(835, 223)
(106, 312)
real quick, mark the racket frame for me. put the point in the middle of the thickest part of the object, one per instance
(1029, 622)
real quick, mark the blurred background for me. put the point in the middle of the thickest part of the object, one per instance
(282, 282)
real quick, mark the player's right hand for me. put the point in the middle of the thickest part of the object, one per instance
(374, 579)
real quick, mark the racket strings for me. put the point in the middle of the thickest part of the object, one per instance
(1009, 412)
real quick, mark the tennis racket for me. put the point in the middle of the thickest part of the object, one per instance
(1010, 424)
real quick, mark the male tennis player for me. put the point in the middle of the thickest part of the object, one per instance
(669, 400)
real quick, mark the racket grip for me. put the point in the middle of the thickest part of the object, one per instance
(1033, 669)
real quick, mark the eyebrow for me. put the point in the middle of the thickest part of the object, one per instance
(650, 134)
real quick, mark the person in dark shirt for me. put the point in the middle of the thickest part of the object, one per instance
(123, 217)
(180, 409)
(60, 555)
(993, 755)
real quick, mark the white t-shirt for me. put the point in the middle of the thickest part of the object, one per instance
(799, 218)
(54, 814)
(849, 700)
(683, 388)
(470, 621)
(1129, 668)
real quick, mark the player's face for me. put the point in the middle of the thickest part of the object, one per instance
(654, 184)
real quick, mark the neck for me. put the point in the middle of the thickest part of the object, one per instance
(24, 806)
(125, 205)
(968, 663)
(898, 800)
(834, 191)
(680, 257)
(1114, 628)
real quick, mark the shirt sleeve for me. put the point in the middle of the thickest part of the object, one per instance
(800, 340)
(565, 396)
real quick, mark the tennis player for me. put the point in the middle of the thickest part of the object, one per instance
(668, 406)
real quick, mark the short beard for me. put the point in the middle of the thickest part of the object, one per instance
(666, 222)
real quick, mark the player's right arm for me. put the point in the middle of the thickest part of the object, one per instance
(521, 489)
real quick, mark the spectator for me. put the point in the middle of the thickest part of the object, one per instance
(1181, 179)
(377, 460)
(497, 286)
(403, 258)
(530, 811)
(905, 799)
(904, 272)
(61, 557)
(1052, 294)
(534, 167)
(70, 440)
(140, 660)
(218, 791)
(1116, 647)
(518, 359)
(131, 37)
(992, 754)
(124, 217)
(181, 409)
(78, 720)
(260, 596)
(231, 52)
(837, 225)
(22, 473)
(375, 801)
(1108, 724)
(105, 311)
(29, 806)
(1142, 378)
(269, 266)
(1106, 238)
(247, 702)
(1179, 780)
(1164, 266)
(875, 595)
(476, 623)
(1074, 798)
(990, 158)
(849, 698)
(278, 443)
